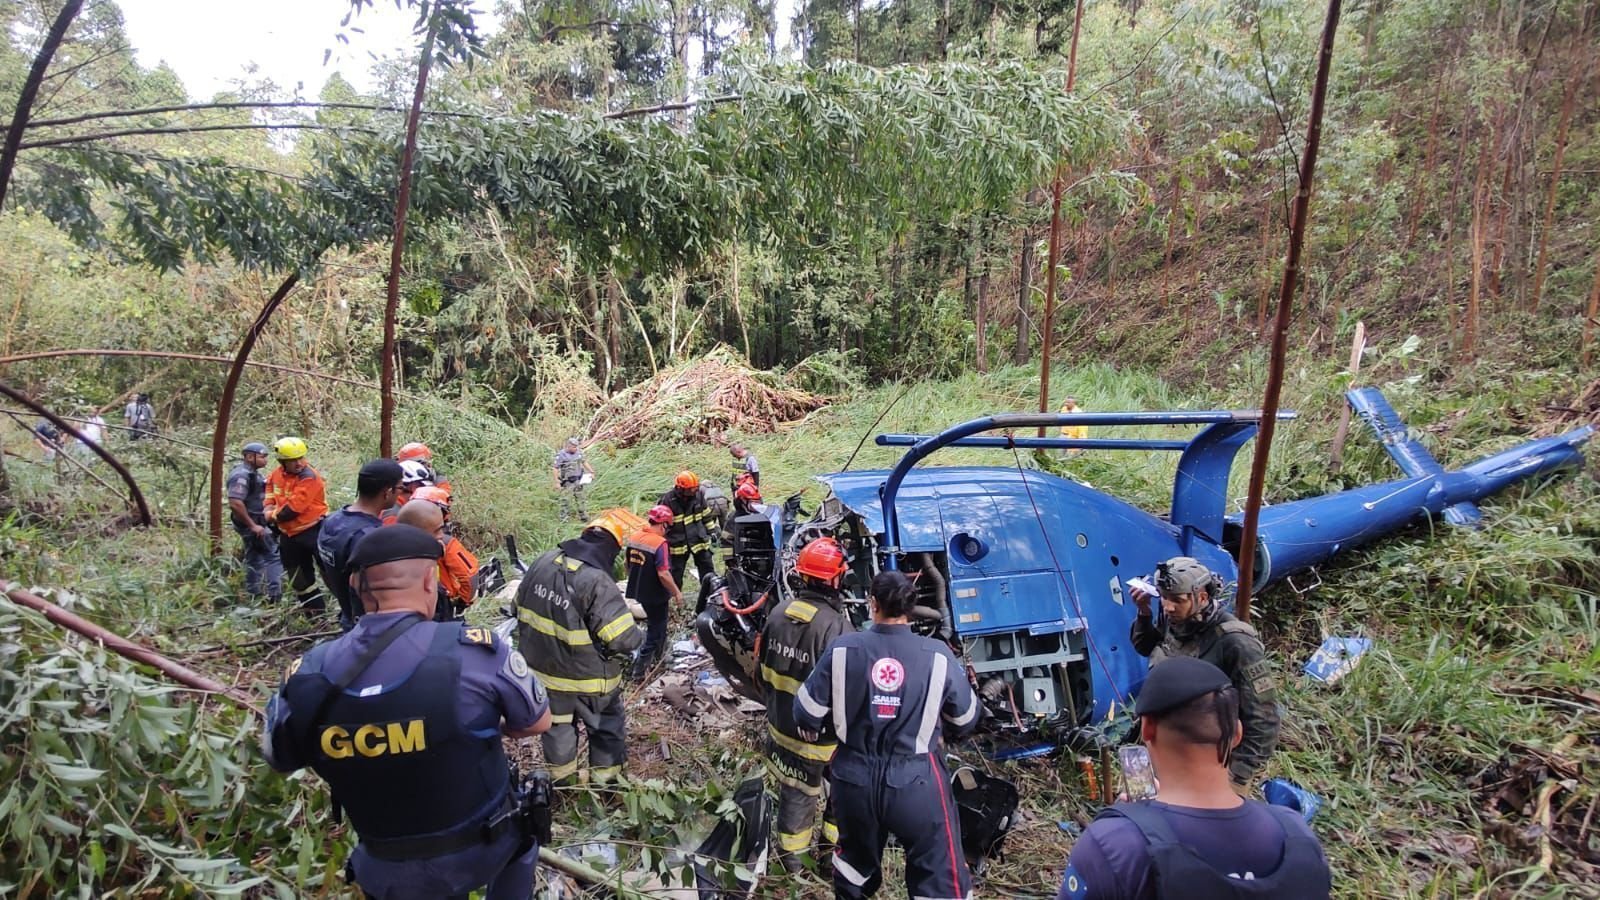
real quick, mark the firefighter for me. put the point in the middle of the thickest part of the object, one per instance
(747, 500)
(295, 506)
(419, 452)
(377, 484)
(403, 718)
(792, 641)
(1194, 624)
(247, 492)
(887, 695)
(429, 509)
(650, 584)
(575, 630)
(688, 534)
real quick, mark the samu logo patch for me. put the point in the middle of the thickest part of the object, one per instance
(888, 676)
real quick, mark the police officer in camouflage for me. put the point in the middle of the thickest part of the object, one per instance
(403, 718)
(1194, 625)
(575, 631)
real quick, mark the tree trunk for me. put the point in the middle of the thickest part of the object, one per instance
(1469, 325)
(980, 315)
(1020, 350)
(13, 140)
(1548, 219)
(397, 252)
(1429, 161)
(1585, 347)
(1166, 248)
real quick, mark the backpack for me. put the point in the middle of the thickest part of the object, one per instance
(1179, 872)
(988, 810)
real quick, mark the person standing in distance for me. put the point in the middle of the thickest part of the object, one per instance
(575, 629)
(745, 467)
(1193, 624)
(296, 504)
(402, 717)
(1197, 839)
(792, 641)
(889, 695)
(569, 467)
(247, 491)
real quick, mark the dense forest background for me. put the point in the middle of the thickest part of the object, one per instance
(619, 207)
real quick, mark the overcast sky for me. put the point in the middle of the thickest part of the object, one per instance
(210, 42)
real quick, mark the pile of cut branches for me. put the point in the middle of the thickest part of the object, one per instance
(702, 400)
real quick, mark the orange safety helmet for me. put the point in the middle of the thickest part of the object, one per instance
(660, 514)
(748, 492)
(414, 450)
(687, 481)
(433, 494)
(823, 560)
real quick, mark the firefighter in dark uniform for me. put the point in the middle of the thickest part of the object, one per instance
(1193, 624)
(792, 640)
(576, 632)
(887, 695)
(689, 533)
(403, 718)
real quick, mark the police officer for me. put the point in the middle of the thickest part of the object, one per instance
(403, 718)
(688, 535)
(792, 641)
(650, 584)
(575, 630)
(263, 570)
(745, 467)
(1196, 840)
(569, 467)
(377, 485)
(888, 695)
(1193, 624)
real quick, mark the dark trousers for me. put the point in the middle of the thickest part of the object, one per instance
(655, 633)
(800, 789)
(702, 564)
(500, 866)
(263, 570)
(300, 567)
(603, 719)
(910, 798)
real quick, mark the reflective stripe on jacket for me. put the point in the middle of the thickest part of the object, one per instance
(793, 639)
(572, 624)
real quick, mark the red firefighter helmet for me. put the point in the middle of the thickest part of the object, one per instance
(748, 492)
(433, 494)
(414, 450)
(660, 514)
(687, 481)
(823, 560)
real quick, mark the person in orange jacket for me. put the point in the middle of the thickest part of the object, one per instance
(429, 509)
(295, 505)
(420, 452)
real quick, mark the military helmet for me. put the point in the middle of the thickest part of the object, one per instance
(1185, 575)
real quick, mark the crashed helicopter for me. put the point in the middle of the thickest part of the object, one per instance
(1026, 573)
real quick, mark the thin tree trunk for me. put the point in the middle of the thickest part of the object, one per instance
(1280, 336)
(1166, 249)
(980, 316)
(219, 434)
(397, 252)
(1567, 104)
(1019, 350)
(1047, 339)
(1266, 264)
(13, 140)
(1469, 325)
(1429, 161)
(1586, 346)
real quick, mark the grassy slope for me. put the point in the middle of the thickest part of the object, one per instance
(1485, 639)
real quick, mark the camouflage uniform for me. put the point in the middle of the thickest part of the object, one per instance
(1235, 648)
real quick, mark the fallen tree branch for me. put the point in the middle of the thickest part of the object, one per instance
(136, 652)
(194, 357)
(136, 495)
(574, 869)
(267, 642)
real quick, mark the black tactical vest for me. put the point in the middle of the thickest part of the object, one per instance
(400, 762)
(1180, 873)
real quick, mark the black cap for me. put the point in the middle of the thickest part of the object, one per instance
(1177, 680)
(377, 474)
(394, 542)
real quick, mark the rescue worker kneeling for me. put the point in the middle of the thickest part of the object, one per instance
(403, 717)
(883, 694)
(792, 640)
(575, 630)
